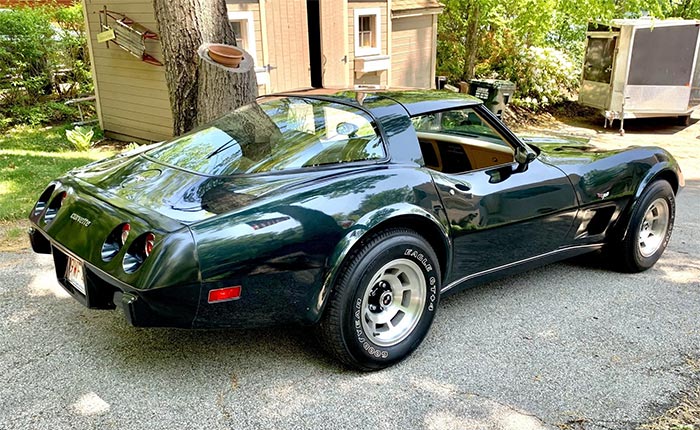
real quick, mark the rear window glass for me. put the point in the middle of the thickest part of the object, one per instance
(276, 134)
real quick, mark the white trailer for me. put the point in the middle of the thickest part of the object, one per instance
(642, 68)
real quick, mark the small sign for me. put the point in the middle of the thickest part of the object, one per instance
(482, 93)
(106, 36)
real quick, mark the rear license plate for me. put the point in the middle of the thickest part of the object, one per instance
(76, 274)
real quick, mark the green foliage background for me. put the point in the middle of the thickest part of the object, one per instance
(43, 61)
(538, 44)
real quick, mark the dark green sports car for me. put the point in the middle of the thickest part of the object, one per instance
(351, 212)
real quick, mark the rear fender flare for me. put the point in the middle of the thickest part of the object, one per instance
(401, 214)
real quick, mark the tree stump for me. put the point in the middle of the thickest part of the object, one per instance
(222, 89)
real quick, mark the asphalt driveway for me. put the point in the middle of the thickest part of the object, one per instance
(570, 344)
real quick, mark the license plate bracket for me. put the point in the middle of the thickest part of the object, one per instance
(75, 274)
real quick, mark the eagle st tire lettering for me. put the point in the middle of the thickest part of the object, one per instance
(387, 296)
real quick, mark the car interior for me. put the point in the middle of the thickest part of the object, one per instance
(460, 141)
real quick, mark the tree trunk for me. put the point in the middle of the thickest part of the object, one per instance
(222, 89)
(197, 96)
(473, 39)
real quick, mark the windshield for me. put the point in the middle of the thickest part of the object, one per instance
(275, 134)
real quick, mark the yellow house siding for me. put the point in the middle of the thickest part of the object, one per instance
(288, 44)
(92, 68)
(334, 43)
(373, 78)
(132, 95)
(254, 7)
(412, 51)
(399, 5)
(126, 127)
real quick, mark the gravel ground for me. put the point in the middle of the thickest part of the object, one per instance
(568, 345)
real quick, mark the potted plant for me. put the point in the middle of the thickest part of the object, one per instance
(226, 55)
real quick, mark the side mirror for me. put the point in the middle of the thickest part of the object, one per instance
(347, 128)
(523, 157)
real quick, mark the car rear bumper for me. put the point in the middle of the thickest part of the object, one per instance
(172, 306)
(267, 298)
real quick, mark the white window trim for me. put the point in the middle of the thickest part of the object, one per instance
(361, 51)
(247, 16)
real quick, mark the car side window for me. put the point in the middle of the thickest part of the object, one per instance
(460, 140)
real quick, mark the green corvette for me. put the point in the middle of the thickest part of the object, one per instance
(351, 212)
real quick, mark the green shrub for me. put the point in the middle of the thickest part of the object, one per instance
(26, 50)
(40, 113)
(72, 49)
(544, 76)
(43, 61)
(80, 137)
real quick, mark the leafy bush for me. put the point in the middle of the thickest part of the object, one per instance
(43, 60)
(538, 44)
(80, 137)
(72, 47)
(45, 112)
(26, 48)
(544, 76)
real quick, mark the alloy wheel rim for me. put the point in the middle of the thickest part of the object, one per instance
(652, 231)
(393, 302)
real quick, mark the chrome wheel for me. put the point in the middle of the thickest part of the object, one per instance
(653, 228)
(393, 302)
(383, 302)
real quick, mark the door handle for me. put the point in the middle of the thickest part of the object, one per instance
(463, 187)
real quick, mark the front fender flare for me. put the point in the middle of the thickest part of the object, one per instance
(668, 170)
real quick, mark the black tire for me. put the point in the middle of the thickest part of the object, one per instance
(684, 120)
(367, 291)
(649, 230)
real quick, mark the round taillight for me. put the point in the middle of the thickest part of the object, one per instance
(43, 200)
(149, 242)
(115, 241)
(138, 252)
(126, 228)
(54, 206)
